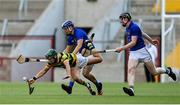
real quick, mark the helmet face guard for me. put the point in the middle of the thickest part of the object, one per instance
(125, 15)
(67, 24)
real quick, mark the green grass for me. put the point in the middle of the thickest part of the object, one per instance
(47, 93)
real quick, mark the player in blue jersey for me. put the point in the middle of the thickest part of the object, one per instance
(78, 38)
(138, 52)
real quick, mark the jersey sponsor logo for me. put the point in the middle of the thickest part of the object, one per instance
(127, 33)
(74, 41)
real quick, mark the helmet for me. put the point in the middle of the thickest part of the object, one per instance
(67, 24)
(50, 53)
(125, 15)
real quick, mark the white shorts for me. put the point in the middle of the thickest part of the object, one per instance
(82, 61)
(142, 55)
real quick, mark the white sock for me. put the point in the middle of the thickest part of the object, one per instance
(161, 70)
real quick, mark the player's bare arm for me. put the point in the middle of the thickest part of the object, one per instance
(68, 49)
(152, 41)
(40, 74)
(79, 45)
(129, 45)
(68, 68)
(146, 36)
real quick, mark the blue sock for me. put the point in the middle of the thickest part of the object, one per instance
(71, 84)
(97, 83)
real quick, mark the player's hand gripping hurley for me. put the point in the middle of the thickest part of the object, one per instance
(31, 89)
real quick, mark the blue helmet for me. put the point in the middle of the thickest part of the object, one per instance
(67, 24)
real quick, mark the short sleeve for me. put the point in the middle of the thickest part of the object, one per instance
(64, 57)
(69, 41)
(135, 31)
(79, 34)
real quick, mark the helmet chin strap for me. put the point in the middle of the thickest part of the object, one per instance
(124, 25)
(68, 34)
(71, 30)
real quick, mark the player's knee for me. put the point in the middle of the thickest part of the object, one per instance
(131, 70)
(85, 74)
(100, 59)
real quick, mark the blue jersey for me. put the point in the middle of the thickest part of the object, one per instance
(78, 34)
(134, 30)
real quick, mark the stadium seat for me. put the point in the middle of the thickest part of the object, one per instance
(172, 7)
(173, 58)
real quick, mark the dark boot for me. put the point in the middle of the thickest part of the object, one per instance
(66, 88)
(90, 89)
(171, 74)
(99, 89)
(128, 91)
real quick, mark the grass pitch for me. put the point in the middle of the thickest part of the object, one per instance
(51, 93)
